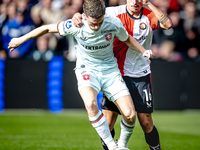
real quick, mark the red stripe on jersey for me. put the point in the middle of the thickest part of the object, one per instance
(120, 48)
(127, 21)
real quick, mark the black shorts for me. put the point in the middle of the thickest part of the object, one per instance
(141, 93)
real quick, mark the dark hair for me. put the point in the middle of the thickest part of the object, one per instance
(94, 8)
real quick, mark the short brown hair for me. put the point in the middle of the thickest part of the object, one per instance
(94, 8)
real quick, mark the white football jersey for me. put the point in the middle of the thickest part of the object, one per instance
(95, 48)
(132, 63)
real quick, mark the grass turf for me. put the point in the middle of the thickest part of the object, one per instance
(71, 130)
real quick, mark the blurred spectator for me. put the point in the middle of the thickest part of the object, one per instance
(185, 30)
(198, 5)
(57, 4)
(182, 3)
(192, 44)
(193, 39)
(167, 53)
(174, 6)
(35, 16)
(70, 8)
(163, 5)
(6, 2)
(191, 26)
(190, 15)
(43, 13)
(196, 25)
(3, 14)
(167, 5)
(3, 19)
(17, 26)
(4, 9)
(175, 34)
(49, 15)
(193, 54)
(42, 51)
(12, 10)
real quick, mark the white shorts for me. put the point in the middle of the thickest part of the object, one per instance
(110, 82)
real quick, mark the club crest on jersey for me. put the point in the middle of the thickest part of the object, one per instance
(108, 36)
(143, 26)
(86, 77)
(68, 24)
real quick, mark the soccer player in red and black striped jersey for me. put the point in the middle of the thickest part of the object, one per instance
(140, 18)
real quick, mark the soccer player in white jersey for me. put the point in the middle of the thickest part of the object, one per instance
(96, 66)
(140, 23)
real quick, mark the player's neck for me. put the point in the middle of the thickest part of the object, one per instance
(134, 14)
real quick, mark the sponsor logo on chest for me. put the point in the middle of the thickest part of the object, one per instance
(141, 35)
(96, 47)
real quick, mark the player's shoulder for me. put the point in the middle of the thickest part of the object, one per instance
(69, 25)
(66, 27)
(146, 12)
(112, 20)
(116, 10)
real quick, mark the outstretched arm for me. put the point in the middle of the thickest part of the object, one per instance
(134, 45)
(165, 21)
(16, 42)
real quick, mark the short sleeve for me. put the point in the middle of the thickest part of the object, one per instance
(122, 34)
(154, 22)
(66, 27)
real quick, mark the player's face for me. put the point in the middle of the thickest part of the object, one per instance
(134, 6)
(95, 24)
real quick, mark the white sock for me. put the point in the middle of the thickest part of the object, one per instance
(100, 123)
(126, 132)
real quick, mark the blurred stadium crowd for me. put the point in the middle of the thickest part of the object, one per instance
(18, 17)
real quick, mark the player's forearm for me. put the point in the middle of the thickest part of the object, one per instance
(164, 19)
(135, 45)
(16, 42)
(36, 33)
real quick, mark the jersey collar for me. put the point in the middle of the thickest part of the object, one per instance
(140, 15)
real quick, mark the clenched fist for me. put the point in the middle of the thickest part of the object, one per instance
(149, 54)
(14, 43)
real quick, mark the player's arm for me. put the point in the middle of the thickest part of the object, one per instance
(16, 42)
(164, 19)
(134, 45)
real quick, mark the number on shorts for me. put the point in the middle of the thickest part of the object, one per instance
(148, 98)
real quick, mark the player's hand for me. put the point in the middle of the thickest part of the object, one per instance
(76, 20)
(144, 1)
(149, 54)
(14, 43)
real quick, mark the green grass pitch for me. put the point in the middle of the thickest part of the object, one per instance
(71, 130)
